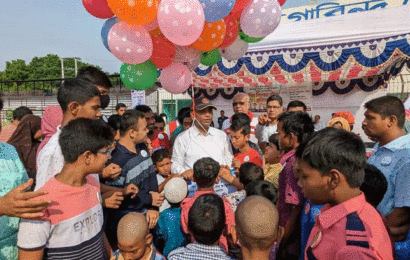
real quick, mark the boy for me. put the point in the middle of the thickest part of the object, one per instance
(134, 239)
(272, 166)
(137, 169)
(169, 228)
(330, 169)
(262, 188)
(206, 223)
(293, 128)
(257, 228)
(72, 225)
(206, 172)
(162, 162)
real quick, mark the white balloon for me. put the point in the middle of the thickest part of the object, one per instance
(235, 51)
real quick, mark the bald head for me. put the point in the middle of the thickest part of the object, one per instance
(241, 103)
(132, 228)
(257, 223)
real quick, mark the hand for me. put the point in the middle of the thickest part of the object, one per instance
(188, 175)
(263, 119)
(112, 199)
(225, 174)
(152, 218)
(131, 189)
(112, 171)
(236, 164)
(19, 203)
(157, 198)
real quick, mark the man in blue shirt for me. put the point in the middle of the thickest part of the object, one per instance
(384, 121)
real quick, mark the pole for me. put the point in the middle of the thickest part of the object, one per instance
(62, 68)
(75, 66)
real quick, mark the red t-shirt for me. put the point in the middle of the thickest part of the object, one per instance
(251, 156)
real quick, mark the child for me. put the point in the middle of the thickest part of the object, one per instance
(262, 188)
(330, 169)
(272, 156)
(169, 224)
(134, 239)
(72, 225)
(114, 121)
(206, 172)
(248, 172)
(293, 128)
(137, 168)
(257, 228)
(206, 223)
(162, 162)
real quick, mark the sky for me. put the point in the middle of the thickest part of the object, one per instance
(30, 28)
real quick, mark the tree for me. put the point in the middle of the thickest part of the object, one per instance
(16, 70)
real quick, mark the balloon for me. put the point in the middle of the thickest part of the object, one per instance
(235, 51)
(152, 25)
(260, 18)
(181, 21)
(249, 39)
(140, 76)
(130, 44)
(135, 11)
(232, 29)
(164, 51)
(188, 56)
(216, 9)
(176, 78)
(98, 8)
(210, 58)
(106, 29)
(239, 6)
(212, 36)
(281, 2)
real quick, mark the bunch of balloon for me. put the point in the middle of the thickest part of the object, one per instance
(177, 35)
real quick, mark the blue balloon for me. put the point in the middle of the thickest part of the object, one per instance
(217, 9)
(106, 29)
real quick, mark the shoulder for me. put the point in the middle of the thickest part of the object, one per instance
(217, 132)
(8, 151)
(177, 253)
(51, 147)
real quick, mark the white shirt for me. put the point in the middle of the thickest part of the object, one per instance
(263, 132)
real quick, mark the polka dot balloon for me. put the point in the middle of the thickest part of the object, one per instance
(134, 11)
(176, 78)
(212, 36)
(232, 30)
(188, 56)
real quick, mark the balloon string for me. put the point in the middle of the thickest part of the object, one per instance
(193, 99)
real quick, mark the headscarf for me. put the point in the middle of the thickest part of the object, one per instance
(341, 120)
(52, 118)
(24, 142)
(346, 115)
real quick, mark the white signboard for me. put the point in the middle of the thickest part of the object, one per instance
(137, 98)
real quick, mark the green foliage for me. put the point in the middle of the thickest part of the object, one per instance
(9, 115)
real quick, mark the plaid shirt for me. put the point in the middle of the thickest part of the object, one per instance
(196, 251)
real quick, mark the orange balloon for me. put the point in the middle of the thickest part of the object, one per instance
(138, 12)
(212, 36)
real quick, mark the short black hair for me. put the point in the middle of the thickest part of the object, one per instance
(262, 188)
(249, 172)
(96, 76)
(206, 219)
(296, 103)
(20, 112)
(275, 98)
(298, 123)
(81, 135)
(76, 90)
(222, 111)
(388, 106)
(115, 122)
(159, 119)
(374, 185)
(206, 171)
(183, 113)
(129, 119)
(274, 140)
(332, 148)
(160, 155)
(241, 121)
(120, 105)
(143, 108)
(163, 114)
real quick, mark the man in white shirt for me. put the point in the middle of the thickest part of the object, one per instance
(199, 141)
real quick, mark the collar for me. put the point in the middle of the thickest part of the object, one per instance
(195, 131)
(398, 143)
(206, 250)
(249, 114)
(331, 215)
(287, 155)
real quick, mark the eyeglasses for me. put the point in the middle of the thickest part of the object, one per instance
(107, 152)
(238, 103)
(273, 107)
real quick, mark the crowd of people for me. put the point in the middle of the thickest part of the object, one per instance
(77, 185)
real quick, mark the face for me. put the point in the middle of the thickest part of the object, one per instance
(150, 121)
(121, 111)
(204, 116)
(317, 118)
(314, 185)
(91, 109)
(272, 154)
(159, 127)
(222, 113)
(296, 109)
(164, 167)
(187, 123)
(374, 125)
(135, 251)
(148, 143)
(139, 131)
(101, 158)
(238, 139)
(241, 104)
(274, 109)
(285, 140)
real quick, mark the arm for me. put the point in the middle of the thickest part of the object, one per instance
(162, 185)
(291, 224)
(399, 223)
(32, 254)
(259, 131)
(108, 248)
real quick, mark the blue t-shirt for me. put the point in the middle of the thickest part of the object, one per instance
(307, 221)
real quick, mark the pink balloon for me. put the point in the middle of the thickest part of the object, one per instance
(130, 44)
(176, 78)
(181, 21)
(188, 56)
(98, 8)
(152, 25)
(261, 18)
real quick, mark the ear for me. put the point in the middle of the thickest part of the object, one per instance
(73, 108)
(279, 235)
(148, 239)
(392, 121)
(234, 234)
(335, 178)
(293, 138)
(87, 155)
(247, 137)
(217, 180)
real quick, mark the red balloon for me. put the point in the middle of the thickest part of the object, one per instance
(232, 30)
(98, 8)
(164, 51)
(239, 6)
(281, 2)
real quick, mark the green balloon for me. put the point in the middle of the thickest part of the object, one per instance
(211, 57)
(249, 39)
(140, 76)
